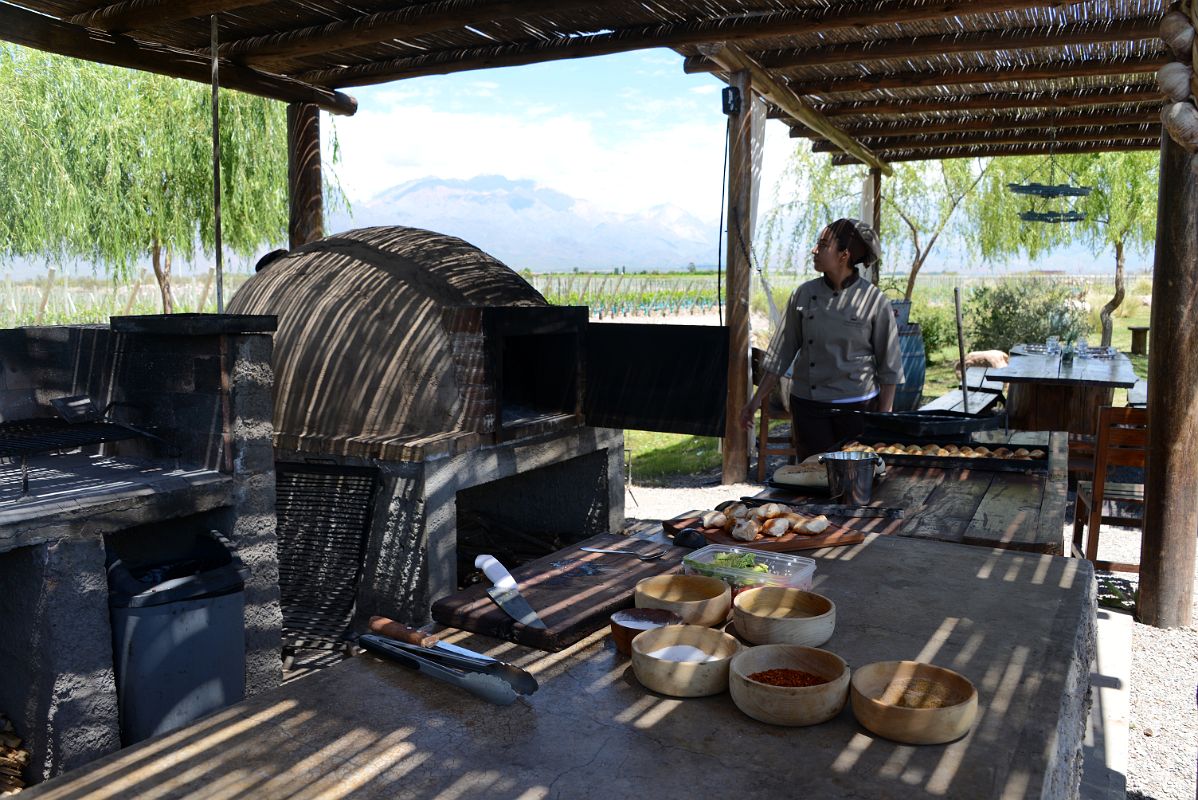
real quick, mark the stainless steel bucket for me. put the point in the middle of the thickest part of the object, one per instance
(851, 475)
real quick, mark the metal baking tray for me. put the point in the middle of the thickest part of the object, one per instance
(1038, 465)
(925, 424)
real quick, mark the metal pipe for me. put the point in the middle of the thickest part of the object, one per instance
(220, 261)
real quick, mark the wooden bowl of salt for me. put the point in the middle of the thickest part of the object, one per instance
(684, 660)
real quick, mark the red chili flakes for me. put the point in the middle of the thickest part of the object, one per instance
(787, 677)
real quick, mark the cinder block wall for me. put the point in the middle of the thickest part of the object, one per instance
(210, 396)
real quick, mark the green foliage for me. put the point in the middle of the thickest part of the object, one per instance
(937, 325)
(658, 456)
(101, 163)
(1023, 310)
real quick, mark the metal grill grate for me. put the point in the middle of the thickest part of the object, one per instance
(323, 523)
(26, 437)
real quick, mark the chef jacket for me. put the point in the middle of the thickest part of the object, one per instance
(846, 342)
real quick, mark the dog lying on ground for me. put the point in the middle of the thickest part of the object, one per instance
(984, 358)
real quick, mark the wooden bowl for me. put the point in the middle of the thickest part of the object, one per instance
(683, 678)
(779, 615)
(698, 599)
(878, 689)
(789, 705)
(626, 624)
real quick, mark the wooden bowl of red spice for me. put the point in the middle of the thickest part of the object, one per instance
(788, 684)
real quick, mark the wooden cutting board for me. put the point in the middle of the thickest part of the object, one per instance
(786, 543)
(574, 593)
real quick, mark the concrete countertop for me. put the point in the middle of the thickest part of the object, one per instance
(1020, 626)
(80, 495)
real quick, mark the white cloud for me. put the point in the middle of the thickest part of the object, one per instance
(620, 170)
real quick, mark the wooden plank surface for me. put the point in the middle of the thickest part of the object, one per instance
(995, 509)
(789, 542)
(1107, 372)
(573, 592)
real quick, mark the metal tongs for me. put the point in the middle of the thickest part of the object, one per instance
(480, 675)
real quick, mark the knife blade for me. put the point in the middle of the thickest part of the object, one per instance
(488, 687)
(506, 593)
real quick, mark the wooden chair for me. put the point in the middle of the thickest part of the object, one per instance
(771, 408)
(1122, 441)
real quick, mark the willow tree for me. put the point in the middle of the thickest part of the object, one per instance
(1120, 211)
(921, 205)
(114, 166)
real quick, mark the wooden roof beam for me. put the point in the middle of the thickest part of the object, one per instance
(1098, 146)
(998, 101)
(30, 29)
(129, 15)
(725, 29)
(733, 59)
(995, 123)
(1118, 132)
(1048, 70)
(415, 20)
(1145, 27)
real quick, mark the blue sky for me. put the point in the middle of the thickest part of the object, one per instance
(624, 132)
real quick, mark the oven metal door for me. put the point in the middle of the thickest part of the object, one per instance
(669, 378)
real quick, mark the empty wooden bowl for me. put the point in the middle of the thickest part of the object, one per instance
(913, 702)
(789, 705)
(698, 599)
(626, 624)
(779, 615)
(658, 660)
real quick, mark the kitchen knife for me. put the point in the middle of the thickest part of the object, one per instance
(488, 687)
(506, 593)
(520, 680)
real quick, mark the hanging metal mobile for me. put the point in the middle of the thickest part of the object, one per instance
(1050, 191)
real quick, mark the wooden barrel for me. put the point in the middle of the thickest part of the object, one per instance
(908, 393)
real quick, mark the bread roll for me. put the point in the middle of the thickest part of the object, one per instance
(1021, 452)
(817, 525)
(773, 509)
(745, 530)
(777, 526)
(1037, 454)
(713, 519)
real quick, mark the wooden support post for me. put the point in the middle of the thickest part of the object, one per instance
(740, 197)
(303, 174)
(1171, 480)
(874, 203)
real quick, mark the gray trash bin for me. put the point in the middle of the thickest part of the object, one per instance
(178, 630)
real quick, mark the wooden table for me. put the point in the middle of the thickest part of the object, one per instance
(1045, 395)
(1020, 626)
(1009, 510)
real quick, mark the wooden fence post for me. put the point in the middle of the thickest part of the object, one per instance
(207, 288)
(141, 276)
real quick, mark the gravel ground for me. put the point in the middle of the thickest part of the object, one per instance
(1163, 749)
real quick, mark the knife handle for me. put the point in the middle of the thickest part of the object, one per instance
(496, 573)
(397, 630)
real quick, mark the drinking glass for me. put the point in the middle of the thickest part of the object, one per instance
(1052, 345)
(1083, 349)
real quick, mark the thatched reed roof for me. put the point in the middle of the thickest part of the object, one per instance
(905, 79)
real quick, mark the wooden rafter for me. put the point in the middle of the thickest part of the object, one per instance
(131, 15)
(1024, 122)
(1101, 145)
(1047, 70)
(997, 101)
(412, 21)
(924, 46)
(29, 29)
(733, 59)
(1118, 132)
(725, 29)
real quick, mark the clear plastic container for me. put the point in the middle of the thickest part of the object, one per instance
(784, 569)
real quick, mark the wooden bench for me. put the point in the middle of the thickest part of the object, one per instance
(1139, 339)
(977, 381)
(979, 401)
